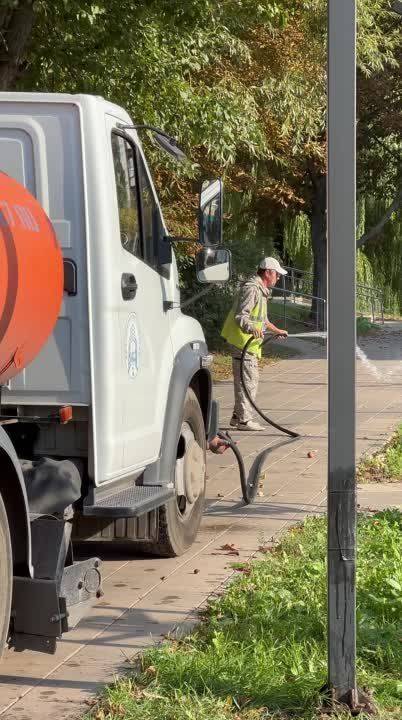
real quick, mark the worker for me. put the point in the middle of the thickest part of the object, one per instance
(249, 317)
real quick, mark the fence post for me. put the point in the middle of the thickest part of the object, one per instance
(284, 310)
(293, 284)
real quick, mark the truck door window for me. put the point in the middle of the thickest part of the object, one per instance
(125, 176)
(149, 208)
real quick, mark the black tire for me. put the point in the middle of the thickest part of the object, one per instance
(177, 533)
(6, 577)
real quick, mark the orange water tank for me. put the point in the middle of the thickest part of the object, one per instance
(31, 277)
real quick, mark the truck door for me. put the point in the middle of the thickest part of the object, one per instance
(146, 355)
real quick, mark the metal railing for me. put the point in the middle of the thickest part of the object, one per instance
(296, 308)
(300, 283)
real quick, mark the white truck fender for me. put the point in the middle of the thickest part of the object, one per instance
(187, 373)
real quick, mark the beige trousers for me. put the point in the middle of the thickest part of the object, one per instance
(242, 408)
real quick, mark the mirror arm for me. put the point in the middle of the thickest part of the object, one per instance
(152, 128)
(197, 296)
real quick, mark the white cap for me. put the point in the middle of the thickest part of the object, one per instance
(270, 263)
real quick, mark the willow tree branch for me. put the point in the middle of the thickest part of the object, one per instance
(383, 144)
(375, 231)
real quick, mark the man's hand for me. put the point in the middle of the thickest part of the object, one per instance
(274, 330)
(218, 446)
(258, 333)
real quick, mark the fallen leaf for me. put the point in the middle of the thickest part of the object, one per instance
(228, 546)
(220, 495)
(163, 577)
(311, 454)
(229, 549)
(196, 571)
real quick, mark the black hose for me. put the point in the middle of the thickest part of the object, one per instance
(249, 485)
(268, 420)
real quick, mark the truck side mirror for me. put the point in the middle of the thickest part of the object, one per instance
(213, 265)
(210, 212)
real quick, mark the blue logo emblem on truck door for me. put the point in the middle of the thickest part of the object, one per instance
(132, 347)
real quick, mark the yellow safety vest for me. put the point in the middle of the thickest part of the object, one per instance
(233, 333)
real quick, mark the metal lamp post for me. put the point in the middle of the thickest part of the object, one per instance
(341, 223)
(341, 226)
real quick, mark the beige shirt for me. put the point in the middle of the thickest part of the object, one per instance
(249, 296)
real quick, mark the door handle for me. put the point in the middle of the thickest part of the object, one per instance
(128, 286)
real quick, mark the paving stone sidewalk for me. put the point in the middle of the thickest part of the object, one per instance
(145, 598)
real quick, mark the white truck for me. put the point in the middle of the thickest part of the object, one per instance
(103, 436)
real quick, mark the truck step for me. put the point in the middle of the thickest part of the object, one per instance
(142, 529)
(130, 502)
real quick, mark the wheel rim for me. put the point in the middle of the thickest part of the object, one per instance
(190, 472)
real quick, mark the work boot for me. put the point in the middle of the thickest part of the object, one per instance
(234, 420)
(250, 425)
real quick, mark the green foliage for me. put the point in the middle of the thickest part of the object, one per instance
(263, 646)
(243, 86)
(364, 326)
(155, 59)
(297, 240)
(385, 258)
(187, 66)
(378, 35)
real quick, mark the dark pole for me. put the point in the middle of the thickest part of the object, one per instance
(341, 192)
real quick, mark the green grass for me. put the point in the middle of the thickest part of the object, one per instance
(384, 465)
(297, 316)
(364, 326)
(261, 651)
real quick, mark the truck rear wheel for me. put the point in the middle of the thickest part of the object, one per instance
(6, 576)
(180, 519)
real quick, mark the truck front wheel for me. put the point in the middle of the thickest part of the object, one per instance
(6, 576)
(180, 519)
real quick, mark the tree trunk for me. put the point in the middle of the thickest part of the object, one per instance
(15, 29)
(318, 220)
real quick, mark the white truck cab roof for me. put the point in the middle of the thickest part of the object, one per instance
(81, 100)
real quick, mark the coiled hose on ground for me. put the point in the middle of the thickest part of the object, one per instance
(249, 484)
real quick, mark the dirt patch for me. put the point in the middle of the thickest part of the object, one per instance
(385, 465)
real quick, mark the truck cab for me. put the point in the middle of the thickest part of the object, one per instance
(110, 422)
